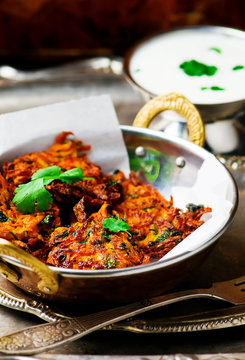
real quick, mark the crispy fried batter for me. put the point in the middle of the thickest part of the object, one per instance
(70, 233)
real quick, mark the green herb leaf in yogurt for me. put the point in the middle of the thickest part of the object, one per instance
(213, 88)
(216, 88)
(215, 49)
(238, 67)
(196, 68)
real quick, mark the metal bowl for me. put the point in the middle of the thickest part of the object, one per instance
(209, 112)
(130, 284)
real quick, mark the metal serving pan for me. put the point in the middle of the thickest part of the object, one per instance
(182, 160)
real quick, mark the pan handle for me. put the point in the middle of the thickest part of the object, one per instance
(181, 105)
(48, 283)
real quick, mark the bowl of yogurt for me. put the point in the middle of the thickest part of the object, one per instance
(206, 64)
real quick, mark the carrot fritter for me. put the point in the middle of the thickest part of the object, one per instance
(72, 233)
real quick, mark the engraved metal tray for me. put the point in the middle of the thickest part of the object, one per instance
(186, 320)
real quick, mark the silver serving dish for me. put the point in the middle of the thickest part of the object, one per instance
(225, 137)
(180, 162)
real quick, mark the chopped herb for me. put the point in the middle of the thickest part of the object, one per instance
(47, 220)
(213, 88)
(116, 172)
(3, 217)
(111, 183)
(216, 88)
(215, 49)
(89, 232)
(192, 207)
(137, 70)
(109, 262)
(238, 67)
(34, 193)
(163, 236)
(82, 242)
(115, 225)
(73, 175)
(196, 68)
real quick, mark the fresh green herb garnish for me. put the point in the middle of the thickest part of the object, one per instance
(111, 183)
(196, 68)
(110, 263)
(214, 88)
(33, 193)
(47, 220)
(115, 225)
(215, 49)
(163, 236)
(238, 67)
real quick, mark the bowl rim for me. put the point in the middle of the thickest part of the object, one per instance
(217, 29)
(122, 272)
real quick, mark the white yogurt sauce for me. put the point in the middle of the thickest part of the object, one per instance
(155, 65)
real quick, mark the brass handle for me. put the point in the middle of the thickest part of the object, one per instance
(181, 105)
(48, 282)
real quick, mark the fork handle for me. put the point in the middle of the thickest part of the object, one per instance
(46, 336)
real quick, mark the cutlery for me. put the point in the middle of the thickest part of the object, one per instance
(46, 336)
(13, 298)
(18, 300)
(98, 66)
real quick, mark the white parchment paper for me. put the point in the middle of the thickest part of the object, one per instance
(95, 122)
(91, 119)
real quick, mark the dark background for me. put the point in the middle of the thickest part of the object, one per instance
(56, 30)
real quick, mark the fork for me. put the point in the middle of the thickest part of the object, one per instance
(46, 336)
